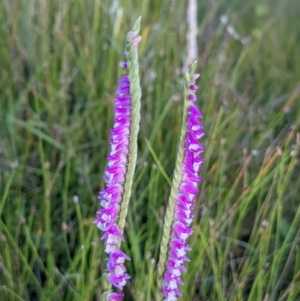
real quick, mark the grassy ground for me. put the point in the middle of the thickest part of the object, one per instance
(58, 71)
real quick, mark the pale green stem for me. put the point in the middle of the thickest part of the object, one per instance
(177, 177)
(135, 92)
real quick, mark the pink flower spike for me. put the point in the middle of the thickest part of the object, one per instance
(184, 203)
(119, 172)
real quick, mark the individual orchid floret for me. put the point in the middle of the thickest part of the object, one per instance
(118, 176)
(179, 215)
(114, 297)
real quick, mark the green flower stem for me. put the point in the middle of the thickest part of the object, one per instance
(177, 176)
(135, 91)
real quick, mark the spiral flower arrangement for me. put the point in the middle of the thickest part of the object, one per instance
(182, 199)
(118, 175)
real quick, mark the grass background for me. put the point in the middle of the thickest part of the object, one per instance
(58, 71)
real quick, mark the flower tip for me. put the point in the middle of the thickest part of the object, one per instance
(136, 25)
(193, 66)
(135, 30)
(187, 78)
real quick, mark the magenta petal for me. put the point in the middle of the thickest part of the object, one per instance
(114, 174)
(174, 268)
(118, 269)
(171, 294)
(136, 41)
(123, 111)
(193, 87)
(124, 80)
(184, 216)
(111, 191)
(109, 203)
(108, 214)
(114, 297)
(123, 90)
(118, 281)
(123, 101)
(181, 231)
(124, 64)
(193, 121)
(116, 159)
(190, 177)
(119, 142)
(188, 188)
(192, 97)
(121, 120)
(113, 233)
(184, 199)
(118, 149)
(119, 257)
(123, 131)
(195, 111)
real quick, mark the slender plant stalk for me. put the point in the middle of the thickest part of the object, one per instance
(135, 92)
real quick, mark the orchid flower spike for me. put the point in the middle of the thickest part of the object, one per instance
(179, 215)
(118, 176)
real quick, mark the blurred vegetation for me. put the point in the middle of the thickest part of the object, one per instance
(59, 67)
